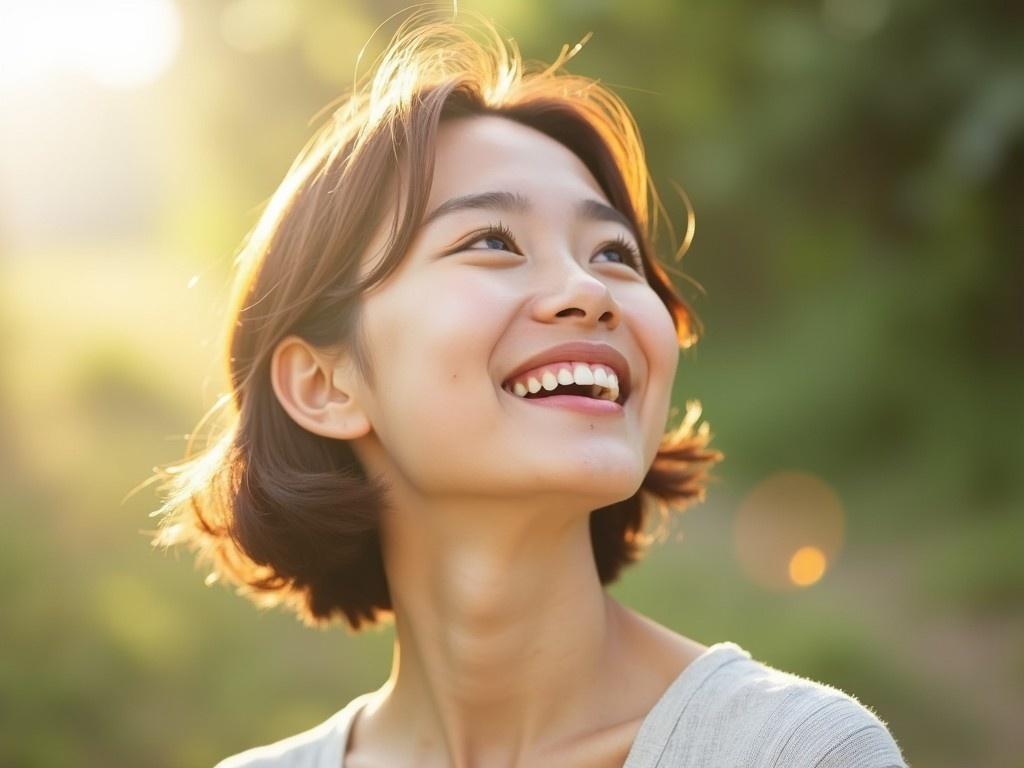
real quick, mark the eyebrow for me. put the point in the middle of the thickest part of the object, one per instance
(591, 209)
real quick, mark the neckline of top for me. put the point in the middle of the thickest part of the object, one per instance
(654, 729)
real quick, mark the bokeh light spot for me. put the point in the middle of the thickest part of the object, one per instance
(116, 43)
(127, 44)
(788, 529)
(806, 566)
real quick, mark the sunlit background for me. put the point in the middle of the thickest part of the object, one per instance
(857, 170)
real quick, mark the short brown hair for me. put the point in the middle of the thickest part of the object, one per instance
(289, 516)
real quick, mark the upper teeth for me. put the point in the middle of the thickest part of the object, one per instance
(604, 382)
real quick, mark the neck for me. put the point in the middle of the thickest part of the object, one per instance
(504, 633)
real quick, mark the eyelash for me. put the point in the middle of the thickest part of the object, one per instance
(625, 248)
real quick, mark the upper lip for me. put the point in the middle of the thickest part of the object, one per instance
(581, 352)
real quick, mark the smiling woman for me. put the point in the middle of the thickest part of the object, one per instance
(452, 353)
(389, 215)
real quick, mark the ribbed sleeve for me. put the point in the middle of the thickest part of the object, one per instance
(840, 733)
(727, 709)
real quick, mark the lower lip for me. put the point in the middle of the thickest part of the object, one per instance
(588, 405)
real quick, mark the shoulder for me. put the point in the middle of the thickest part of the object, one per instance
(837, 730)
(317, 747)
(741, 710)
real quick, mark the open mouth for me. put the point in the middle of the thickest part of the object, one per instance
(576, 372)
(590, 391)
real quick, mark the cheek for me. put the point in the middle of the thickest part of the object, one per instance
(455, 331)
(656, 334)
(431, 317)
(432, 342)
(657, 338)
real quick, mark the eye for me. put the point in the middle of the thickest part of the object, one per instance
(626, 251)
(498, 238)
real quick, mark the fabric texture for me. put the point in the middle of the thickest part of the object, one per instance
(725, 710)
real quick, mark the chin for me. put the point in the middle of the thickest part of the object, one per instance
(606, 481)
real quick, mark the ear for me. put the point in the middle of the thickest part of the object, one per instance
(317, 390)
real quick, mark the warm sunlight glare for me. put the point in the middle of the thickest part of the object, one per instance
(117, 43)
(257, 25)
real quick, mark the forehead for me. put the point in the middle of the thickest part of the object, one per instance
(486, 153)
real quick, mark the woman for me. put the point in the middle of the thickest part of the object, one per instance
(452, 355)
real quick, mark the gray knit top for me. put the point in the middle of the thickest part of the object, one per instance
(724, 710)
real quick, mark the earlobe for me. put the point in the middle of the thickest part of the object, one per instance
(316, 391)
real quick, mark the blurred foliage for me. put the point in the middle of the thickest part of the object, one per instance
(857, 171)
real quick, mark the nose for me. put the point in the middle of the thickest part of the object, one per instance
(580, 296)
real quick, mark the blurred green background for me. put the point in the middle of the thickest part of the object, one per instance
(857, 171)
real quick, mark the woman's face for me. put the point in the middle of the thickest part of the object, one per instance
(467, 308)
